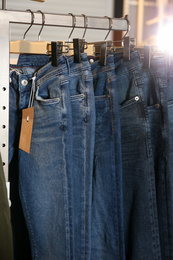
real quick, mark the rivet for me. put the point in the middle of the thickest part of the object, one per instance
(136, 98)
(24, 82)
(91, 61)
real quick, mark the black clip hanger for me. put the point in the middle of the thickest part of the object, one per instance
(104, 45)
(147, 56)
(126, 49)
(56, 49)
(77, 50)
(126, 41)
(103, 54)
(79, 45)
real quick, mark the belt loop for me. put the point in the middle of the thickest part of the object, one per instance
(31, 98)
(68, 65)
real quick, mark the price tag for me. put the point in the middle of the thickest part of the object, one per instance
(26, 129)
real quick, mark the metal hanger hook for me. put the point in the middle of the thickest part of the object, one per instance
(43, 22)
(73, 25)
(32, 21)
(85, 24)
(110, 26)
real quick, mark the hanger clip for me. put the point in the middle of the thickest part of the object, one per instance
(56, 49)
(126, 49)
(103, 53)
(79, 45)
(147, 56)
(76, 49)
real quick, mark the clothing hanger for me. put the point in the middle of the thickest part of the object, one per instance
(36, 47)
(78, 46)
(105, 47)
(30, 47)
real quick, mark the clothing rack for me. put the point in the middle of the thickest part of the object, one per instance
(22, 17)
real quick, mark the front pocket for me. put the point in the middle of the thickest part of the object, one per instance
(46, 101)
(97, 98)
(130, 102)
(77, 97)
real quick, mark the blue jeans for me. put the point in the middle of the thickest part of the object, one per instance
(18, 94)
(83, 121)
(45, 174)
(71, 132)
(107, 203)
(139, 191)
(169, 176)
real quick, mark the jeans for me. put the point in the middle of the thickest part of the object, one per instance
(45, 173)
(62, 149)
(18, 94)
(83, 124)
(107, 210)
(169, 177)
(139, 191)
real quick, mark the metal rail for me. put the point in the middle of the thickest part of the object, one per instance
(21, 17)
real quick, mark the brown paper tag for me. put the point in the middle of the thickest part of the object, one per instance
(26, 129)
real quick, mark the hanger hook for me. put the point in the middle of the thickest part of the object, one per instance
(32, 21)
(43, 22)
(73, 25)
(85, 24)
(110, 26)
(128, 26)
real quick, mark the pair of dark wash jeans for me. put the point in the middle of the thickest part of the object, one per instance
(155, 92)
(60, 161)
(139, 190)
(107, 201)
(170, 156)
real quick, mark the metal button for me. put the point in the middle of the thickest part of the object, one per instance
(24, 82)
(136, 98)
(91, 61)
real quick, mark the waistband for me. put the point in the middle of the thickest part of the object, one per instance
(33, 60)
(97, 68)
(65, 66)
(122, 66)
(158, 64)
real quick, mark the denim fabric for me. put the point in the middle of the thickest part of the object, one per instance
(83, 121)
(139, 191)
(155, 90)
(77, 127)
(107, 213)
(45, 174)
(21, 243)
(169, 179)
